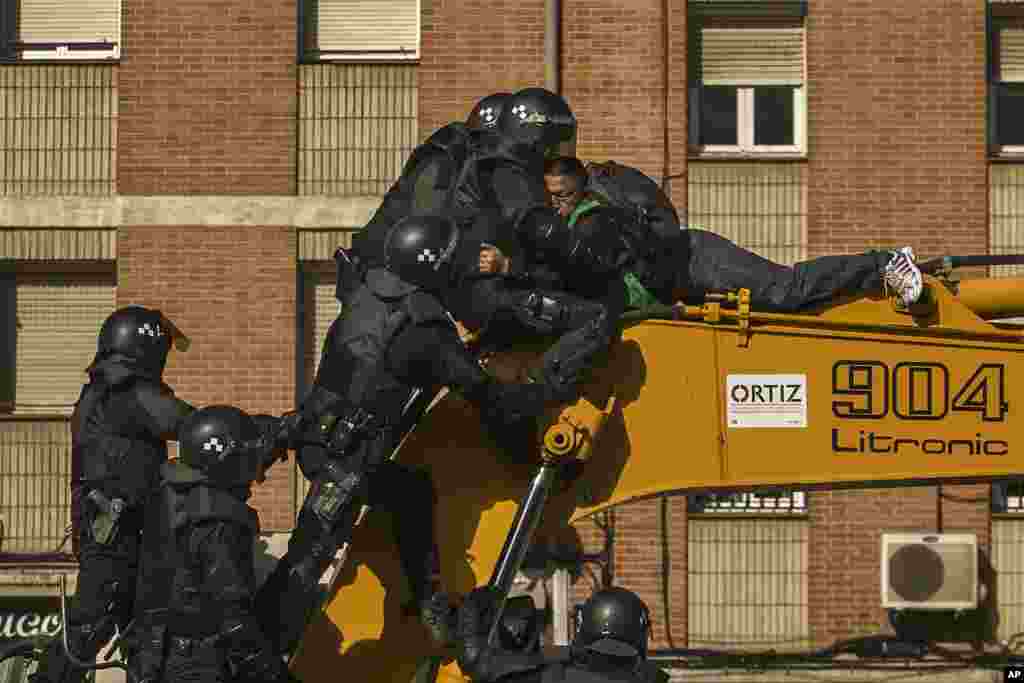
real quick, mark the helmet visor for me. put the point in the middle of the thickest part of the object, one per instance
(179, 339)
(613, 648)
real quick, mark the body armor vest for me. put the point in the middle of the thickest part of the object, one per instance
(355, 364)
(107, 452)
(169, 584)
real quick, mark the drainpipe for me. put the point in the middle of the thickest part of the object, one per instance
(553, 58)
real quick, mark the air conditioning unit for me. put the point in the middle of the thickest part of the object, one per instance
(929, 571)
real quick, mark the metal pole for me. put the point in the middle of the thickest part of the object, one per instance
(518, 540)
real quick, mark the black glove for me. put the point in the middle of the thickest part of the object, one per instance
(514, 404)
(546, 233)
(597, 247)
(476, 613)
(475, 616)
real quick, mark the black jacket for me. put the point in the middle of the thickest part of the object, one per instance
(196, 570)
(120, 426)
(383, 348)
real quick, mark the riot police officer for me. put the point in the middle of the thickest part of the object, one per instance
(119, 429)
(193, 613)
(610, 644)
(396, 338)
(425, 185)
(487, 111)
(568, 284)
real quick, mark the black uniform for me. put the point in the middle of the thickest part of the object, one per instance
(119, 429)
(193, 613)
(569, 286)
(689, 263)
(563, 665)
(566, 286)
(392, 340)
(593, 658)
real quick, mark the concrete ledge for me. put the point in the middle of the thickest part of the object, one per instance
(119, 210)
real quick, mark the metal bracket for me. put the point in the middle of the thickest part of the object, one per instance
(743, 319)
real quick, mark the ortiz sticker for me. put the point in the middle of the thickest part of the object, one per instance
(766, 401)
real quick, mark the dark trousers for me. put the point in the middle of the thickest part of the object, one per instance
(716, 264)
(181, 660)
(286, 600)
(105, 594)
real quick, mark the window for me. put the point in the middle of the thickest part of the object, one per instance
(747, 95)
(1008, 497)
(56, 319)
(355, 30)
(747, 570)
(60, 30)
(767, 502)
(1006, 106)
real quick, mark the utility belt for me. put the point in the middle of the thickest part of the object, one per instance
(185, 647)
(151, 644)
(339, 432)
(107, 518)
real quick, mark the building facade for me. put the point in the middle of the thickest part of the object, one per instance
(207, 158)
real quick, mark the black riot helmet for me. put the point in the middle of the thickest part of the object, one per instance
(486, 112)
(613, 622)
(142, 334)
(537, 117)
(420, 251)
(225, 444)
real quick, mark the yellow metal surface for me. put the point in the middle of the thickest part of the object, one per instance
(853, 394)
(993, 298)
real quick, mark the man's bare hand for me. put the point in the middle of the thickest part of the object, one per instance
(493, 261)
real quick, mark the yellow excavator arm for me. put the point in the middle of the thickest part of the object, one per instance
(722, 398)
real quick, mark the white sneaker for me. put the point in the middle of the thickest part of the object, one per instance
(903, 276)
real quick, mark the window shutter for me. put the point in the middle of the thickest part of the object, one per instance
(63, 22)
(355, 29)
(750, 56)
(747, 8)
(1011, 54)
(325, 311)
(59, 321)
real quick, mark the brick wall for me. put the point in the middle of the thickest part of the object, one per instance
(613, 54)
(896, 126)
(232, 291)
(896, 134)
(471, 48)
(639, 562)
(846, 541)
(207, 97)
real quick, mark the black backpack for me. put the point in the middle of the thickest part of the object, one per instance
(426, 185)
(628, 188)
(652, 226)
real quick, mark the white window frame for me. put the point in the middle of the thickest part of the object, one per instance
(71, 53)
(315, 56)
(745, 124)
(76, 52)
